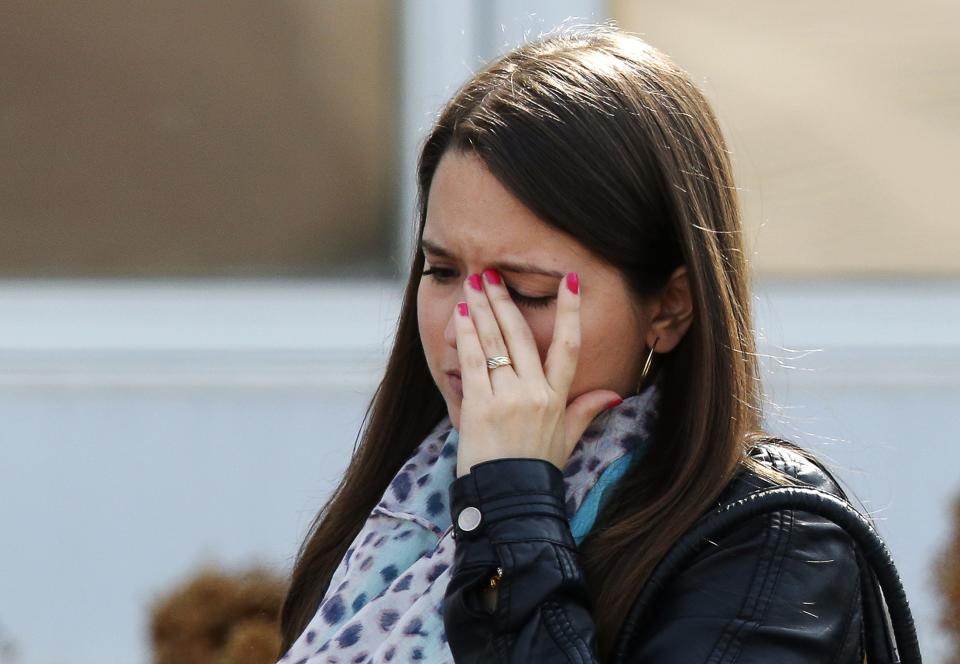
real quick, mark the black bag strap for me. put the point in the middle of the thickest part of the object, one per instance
(890, 634)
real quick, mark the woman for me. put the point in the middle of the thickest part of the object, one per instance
(545, 432)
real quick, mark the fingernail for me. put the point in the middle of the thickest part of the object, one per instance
(492, 277)
(474, 280)
(615, 402)
(462, 308)
(573, 282)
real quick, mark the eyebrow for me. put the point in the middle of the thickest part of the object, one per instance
(502, 266)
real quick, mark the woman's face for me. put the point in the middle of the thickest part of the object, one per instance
(473, 223)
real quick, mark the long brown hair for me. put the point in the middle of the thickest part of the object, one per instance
(604, 138)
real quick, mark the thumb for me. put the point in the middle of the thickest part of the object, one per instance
(582, 410)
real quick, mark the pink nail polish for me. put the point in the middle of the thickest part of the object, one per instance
(573, 282)
(474, 280)
(492, 277)
(462, 309)
(614, 403)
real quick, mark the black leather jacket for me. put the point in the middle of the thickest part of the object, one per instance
(781, 589)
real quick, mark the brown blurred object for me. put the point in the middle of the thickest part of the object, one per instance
(219, 617)
(948, 577)
(842, 119)
(177, 138)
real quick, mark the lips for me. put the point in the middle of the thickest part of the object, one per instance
(453, 379)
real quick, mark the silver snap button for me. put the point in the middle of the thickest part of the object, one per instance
(469, 519)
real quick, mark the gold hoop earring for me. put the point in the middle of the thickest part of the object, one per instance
(646, 366)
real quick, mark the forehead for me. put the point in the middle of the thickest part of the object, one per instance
(470, 213)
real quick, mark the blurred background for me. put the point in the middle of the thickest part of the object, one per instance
(207, 215)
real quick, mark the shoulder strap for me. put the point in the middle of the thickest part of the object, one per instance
(890, 632)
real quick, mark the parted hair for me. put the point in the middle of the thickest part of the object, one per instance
(604, 138)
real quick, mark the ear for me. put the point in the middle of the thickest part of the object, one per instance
(672, 312)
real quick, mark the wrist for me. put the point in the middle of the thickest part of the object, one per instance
(512, 499)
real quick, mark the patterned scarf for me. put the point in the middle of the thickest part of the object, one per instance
(385, 599)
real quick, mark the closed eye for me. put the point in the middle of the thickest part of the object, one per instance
(443, 276)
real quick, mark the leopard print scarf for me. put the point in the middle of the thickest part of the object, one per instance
(385, 599)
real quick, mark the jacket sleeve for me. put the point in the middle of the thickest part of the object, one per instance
(783, 587)
(542, 612)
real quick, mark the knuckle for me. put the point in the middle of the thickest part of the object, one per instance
(490, 342)
(539, 400)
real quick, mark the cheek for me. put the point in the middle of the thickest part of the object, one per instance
(431, 319)
(541, 324)
(424, 320)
